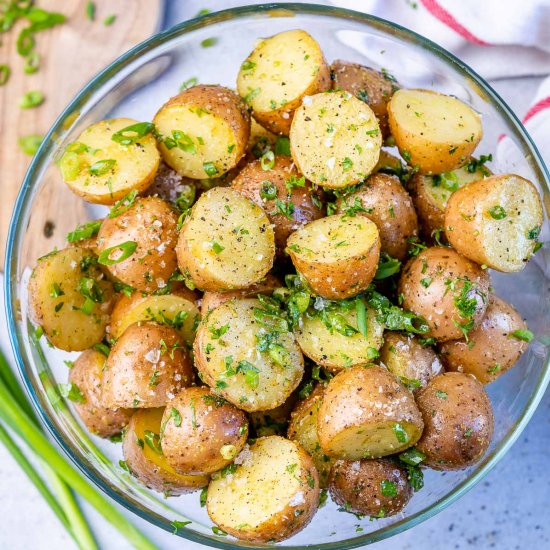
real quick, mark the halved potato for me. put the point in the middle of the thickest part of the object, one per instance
(373, 87)
(103, 170)
(332, 338)
(70, 298)
(415, 365)
(303, 429)
(285, 195)
(430, 194)
(226, 242)
(494, 346)
(367, 413)
(335, 139)
(280, 71)
(434, 132)
(147, 366)
(384, 201)
(177, 310)
(449, 291)
(276, 487)
(137, 246)
(337, 255)
(229, 361)
(211, 300)
(495, 221)
(86, 374)
(204, 130)
(202, 433)
(144, 457)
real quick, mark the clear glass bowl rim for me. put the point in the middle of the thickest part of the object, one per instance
(16, 234)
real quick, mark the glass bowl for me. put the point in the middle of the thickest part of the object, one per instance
(135, 85)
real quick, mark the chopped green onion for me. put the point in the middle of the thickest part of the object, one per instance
(267, 161)
(523, 334)
(90, 11)
(72, 392)
(210, 169)
(361, 313)
(70, 166)
(282, 146)
(32, 63)
(31, 100)
(30, 144)
(109, 20)
(153, 441)
(101, 167)
(497, 212)
(131, 134)
(268, 190)
(25, 42)
(209, 42)
(189, 83)
(84, 231)
(127, 248)
(5, 73)
(123, 204)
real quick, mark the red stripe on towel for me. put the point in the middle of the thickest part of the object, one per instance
(537, 108)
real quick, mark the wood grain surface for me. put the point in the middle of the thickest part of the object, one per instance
(71, 54)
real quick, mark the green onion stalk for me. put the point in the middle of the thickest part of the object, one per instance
(16, 413)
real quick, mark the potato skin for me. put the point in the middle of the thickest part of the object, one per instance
(56, 299)
(440, 268)
(208, 427)
(390, 207)
(211, 300)
(129, 379)
(357, 485)
(150, 468)
(249, 183)
(353, 404)
(504, 243)
(415, 365)
(492, 349)
(303, 429)
(366, 84)
(151, 223)
(86, 374)
(458, 421)
(332, 277)
(213, 101)
(287, 514)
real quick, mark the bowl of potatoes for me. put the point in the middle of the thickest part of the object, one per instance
(294, 293)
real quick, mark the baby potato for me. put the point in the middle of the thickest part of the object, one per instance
(458, 421)
(272, 493)
(144, 457)
(303, 429)
(493, 347)
(434, 132)
(335, 139)
(86, 374)
(137, 245)
(147, 366)
(384, 201)
(367, 413)
(211, 300)
(495, 221)
(430, 194)
(415, 365)
(337, 255)
(368, 85)
(286, 197)
(70, 298)
(205, 131)
(176, 310)
(375, 488)
(228, 358)
(278, 74)
(447, 289)
(226, 242)
(202, 433)
(274, 421)
(332, 338)
(109, 159)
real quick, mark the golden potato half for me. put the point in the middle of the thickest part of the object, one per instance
(495, 221)
(434, 132)
(109, 159)
(335, 139)
(205, 131)
(272, 493)
(337, 255)
(145, 459)
(228, 359)
(367, 413)
(280, 71)
(226, 243)
(70, 298)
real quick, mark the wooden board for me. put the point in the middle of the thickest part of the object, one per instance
(71, 54)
